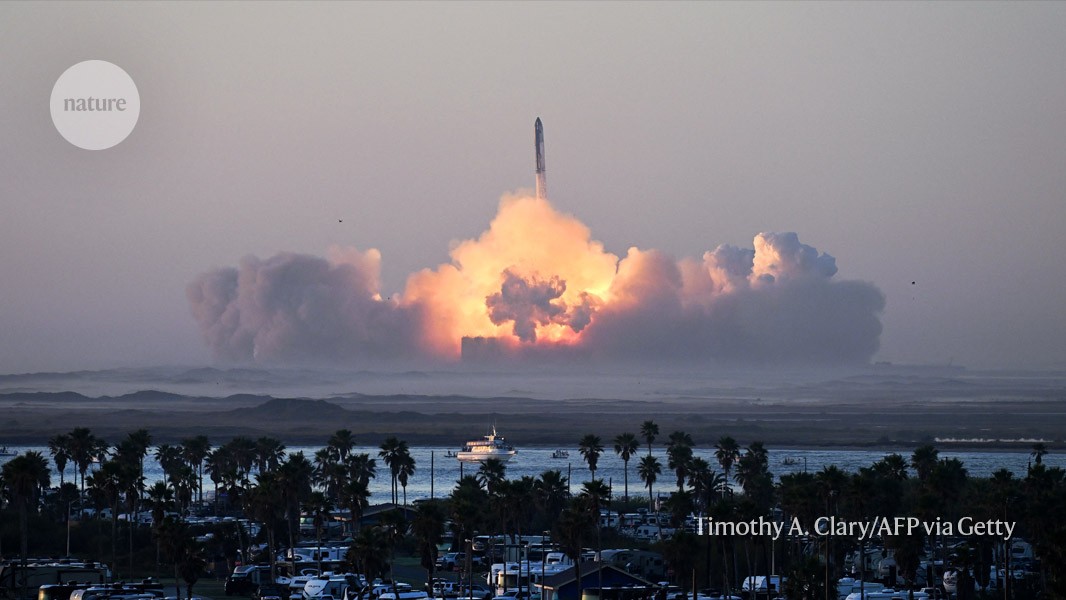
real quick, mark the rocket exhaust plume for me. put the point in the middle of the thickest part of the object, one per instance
(542, 177)
(535, 285)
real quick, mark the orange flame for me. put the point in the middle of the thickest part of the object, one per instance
(530, 239)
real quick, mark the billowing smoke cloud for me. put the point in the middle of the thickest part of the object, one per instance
(536, 285)
(527, 302)
(293, 307)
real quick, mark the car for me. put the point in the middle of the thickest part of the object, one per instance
(445, 589)
(476, 591)
(452, 561)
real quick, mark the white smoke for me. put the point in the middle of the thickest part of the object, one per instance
(294, 307)
(510, 294)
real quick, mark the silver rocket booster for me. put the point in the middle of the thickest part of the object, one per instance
(538, 142)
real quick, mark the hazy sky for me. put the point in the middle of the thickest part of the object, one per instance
(912, 141)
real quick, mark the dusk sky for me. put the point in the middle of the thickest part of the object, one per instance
(919, 144)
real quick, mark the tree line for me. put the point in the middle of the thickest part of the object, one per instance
(260, 480)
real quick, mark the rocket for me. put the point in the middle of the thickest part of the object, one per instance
(538, 142)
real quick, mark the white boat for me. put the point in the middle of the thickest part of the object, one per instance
(491, 446)
(561, 454)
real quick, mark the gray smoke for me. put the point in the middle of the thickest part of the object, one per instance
(527, 302)
(293, 307)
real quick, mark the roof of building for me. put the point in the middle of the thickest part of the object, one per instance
(588, 569)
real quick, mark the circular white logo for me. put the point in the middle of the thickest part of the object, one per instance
(95, 105)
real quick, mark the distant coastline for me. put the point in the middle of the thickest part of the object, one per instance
(877, 408)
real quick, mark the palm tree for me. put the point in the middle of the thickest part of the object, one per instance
(887, 477)
(130, 453)
(321, 510)
(798, 493)
(593, 493)
(491, 473)
(111, 482)
(59, 446)
(626, 445)
(340, 444)
(806, 580)
(264, 501)
(392, 452)
(1038, 453)
(706, 483)
(191, 563)
(169, 458)
(244, 452)
(269, 452)
(678, 455)
(649, 470)
(947, 483)
(141, 441)
(393, 524)
(407, 469)
(590, 448)
(428, 528)
(362, 468)
(355, 489)
(501, 504)
(160, 501)
(222, 469)
(330, 472)
(355, 497)
(185, 553)
(596, 491)
(574, 526)
(23, 478)
(522, 490)
(294, 479)
(172, 535)
(550, 492)
(185, 485)
(649, 430)
(830, 481)
(727, 451)
(370, 552)
(82, 446)
(468, 501)
(893, 466)
(753, 474)
(924, 460)
(195, 451)
(678, 506)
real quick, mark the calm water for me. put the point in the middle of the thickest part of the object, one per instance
(534, 461)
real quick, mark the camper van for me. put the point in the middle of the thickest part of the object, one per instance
(333, 585)
(14, 578)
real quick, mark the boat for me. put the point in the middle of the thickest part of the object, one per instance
(5, 452)
(491, 446)
(790, 461)
(560, 454)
